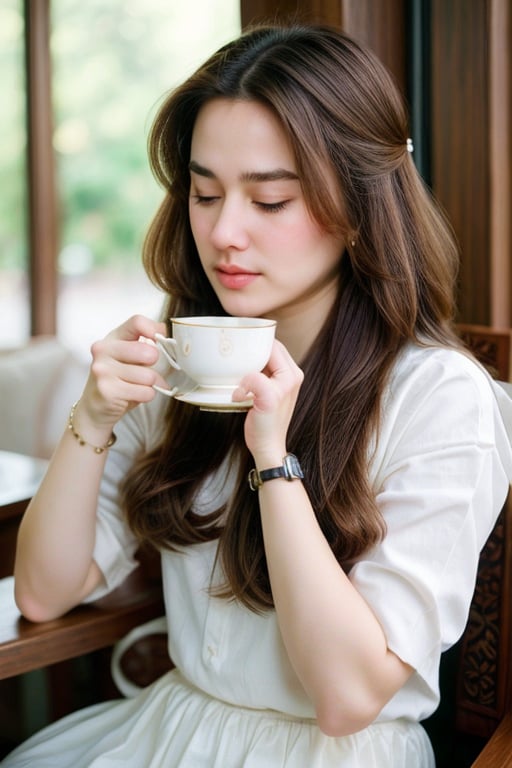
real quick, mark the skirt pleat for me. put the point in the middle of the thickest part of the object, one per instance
(172, 724)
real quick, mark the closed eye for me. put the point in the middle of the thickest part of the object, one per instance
(204, 199)
(272, 207)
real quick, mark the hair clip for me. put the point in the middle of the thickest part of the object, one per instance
(410, 145)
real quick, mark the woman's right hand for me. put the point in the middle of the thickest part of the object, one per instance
(55, 567)
(121, 375)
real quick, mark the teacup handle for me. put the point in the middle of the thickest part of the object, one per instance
(162, 341)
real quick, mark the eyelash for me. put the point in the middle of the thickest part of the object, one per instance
(204, 200)
(266, 207)
(272, 207)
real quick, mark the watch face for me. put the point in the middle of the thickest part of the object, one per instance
(292, 466)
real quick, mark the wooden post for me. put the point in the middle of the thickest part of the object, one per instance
(42, 213)
(500, 162)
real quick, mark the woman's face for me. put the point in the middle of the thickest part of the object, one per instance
(262, 252)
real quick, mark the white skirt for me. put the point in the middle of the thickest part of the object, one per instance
(171, 724)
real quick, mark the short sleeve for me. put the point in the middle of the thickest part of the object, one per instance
(441, 473)
(115, 544)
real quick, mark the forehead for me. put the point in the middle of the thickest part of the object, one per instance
(243, 132)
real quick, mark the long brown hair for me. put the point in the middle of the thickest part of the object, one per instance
(340, 110)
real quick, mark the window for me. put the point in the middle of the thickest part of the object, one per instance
(111, 64)
(14, 303)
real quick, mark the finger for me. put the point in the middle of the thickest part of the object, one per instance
(281, 362)
(121, 395)
(137, 326)
(280, 378)
(280, 355)
(116, 376)
(146, 377)
(124, 351)
(259, 388)
(136, 374)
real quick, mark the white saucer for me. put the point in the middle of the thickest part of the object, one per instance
(209, 399)
(213, 400)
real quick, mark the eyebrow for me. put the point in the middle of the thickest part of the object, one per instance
(277, 174)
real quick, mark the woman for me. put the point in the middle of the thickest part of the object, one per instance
(307, 616)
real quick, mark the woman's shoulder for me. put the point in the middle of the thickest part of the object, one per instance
(438, 396)
(442, 383)
(420, 367)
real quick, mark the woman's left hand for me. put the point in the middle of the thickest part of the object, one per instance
(274, 392)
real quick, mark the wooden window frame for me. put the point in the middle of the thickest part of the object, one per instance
(488, 299)
(41, 195)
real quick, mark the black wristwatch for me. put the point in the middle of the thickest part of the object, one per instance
(290, 470)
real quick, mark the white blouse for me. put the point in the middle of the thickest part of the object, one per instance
(440, 470)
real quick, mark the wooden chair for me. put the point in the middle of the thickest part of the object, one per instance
(474, 725)
(474, 721)
(491, 346)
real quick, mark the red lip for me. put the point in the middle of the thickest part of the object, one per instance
(233, 269)
(234, 277)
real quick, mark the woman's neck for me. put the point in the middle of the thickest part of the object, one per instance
(298, 328)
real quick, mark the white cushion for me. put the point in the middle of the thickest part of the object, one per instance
(38, 385)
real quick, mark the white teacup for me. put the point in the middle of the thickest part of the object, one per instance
(217, 352)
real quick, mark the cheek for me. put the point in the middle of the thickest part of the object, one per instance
(300, 238)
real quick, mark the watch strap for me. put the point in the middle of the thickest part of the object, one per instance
(272, 474)
(290, 470)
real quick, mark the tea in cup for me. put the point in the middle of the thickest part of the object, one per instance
(217, 352)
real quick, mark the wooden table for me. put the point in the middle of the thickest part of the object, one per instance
(88, 630)
(25, 646)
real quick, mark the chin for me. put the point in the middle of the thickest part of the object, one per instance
(243, 309)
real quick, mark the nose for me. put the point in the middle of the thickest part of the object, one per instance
(230, 228)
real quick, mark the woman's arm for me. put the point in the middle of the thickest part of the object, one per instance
(332, 637)
(334, 641)
(54, 568)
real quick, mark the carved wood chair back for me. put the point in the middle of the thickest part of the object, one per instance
(476, 675)
(483, 687)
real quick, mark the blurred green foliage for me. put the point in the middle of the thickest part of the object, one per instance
(12, 137)
(112, 63)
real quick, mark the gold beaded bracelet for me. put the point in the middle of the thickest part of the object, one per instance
(96, 448)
